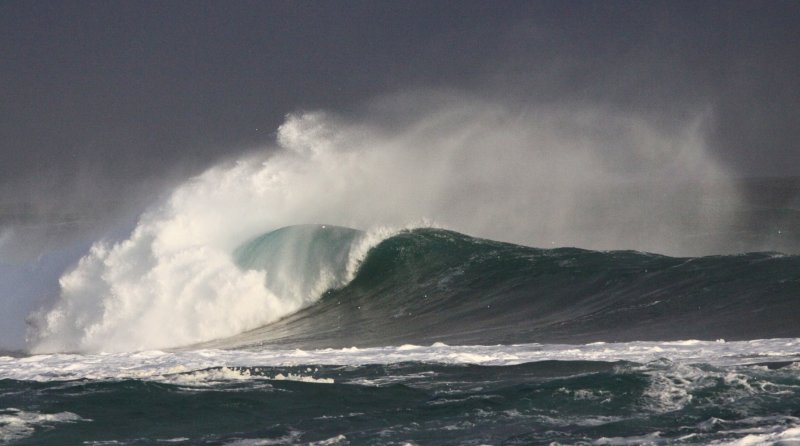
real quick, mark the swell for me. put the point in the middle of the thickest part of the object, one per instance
(429, 285)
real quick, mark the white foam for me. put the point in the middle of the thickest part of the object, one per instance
(671, 389)
(779, 436)
(290, 438)
(333, 440)
(301, 378)
(207, 378)
(17, 424)
(648, 439)
(227, 364)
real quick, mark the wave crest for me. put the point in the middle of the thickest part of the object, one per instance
(197, 293)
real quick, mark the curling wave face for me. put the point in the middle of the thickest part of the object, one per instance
(432, 285)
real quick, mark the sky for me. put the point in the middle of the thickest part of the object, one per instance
(106, 100)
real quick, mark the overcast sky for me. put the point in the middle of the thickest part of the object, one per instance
(113, 95)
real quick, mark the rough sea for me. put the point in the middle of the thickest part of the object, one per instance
(242, 309)
(442, 338)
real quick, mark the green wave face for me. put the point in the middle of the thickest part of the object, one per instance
(429, 285)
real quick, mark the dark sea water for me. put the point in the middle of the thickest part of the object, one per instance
(441, 338)
(541, 402)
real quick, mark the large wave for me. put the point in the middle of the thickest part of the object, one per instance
(432, 285)
(558, 177)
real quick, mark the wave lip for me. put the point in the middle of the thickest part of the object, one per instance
(301, 262)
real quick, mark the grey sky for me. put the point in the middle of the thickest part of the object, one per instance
(112, 95)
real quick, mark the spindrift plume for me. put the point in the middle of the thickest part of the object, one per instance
(565, 176)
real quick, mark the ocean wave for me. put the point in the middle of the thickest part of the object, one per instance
(175, 280)
(427, 285)
(328, 286)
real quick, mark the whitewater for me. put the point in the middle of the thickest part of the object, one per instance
(473, 275)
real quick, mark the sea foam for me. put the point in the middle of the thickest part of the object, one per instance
(225, 365)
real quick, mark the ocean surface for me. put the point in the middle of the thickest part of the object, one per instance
(430, 337)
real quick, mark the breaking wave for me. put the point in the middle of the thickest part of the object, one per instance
(222, 254)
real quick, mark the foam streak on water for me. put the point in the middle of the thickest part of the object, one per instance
(17, 424)
(155, 365)
(660, 393)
